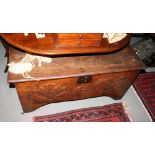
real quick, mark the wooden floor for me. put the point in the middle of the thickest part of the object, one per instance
(11, 111)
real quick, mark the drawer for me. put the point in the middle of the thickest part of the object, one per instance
(68, 36)
(91, 36)
(78, 39)
(67, 43)
(79, 35)
(89, 42)
(77, 43)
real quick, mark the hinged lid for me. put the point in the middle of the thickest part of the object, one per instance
(73, 66)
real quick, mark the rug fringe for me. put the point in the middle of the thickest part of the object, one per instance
(126, 111)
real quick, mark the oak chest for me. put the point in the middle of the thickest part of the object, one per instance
(76, 77)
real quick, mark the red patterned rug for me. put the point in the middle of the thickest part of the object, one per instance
(108, 113)
(145, 88)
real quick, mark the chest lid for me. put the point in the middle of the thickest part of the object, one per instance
(74, 66)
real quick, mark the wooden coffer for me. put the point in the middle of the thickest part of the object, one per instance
(76, 77)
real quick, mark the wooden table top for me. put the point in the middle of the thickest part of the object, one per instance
(46, 46)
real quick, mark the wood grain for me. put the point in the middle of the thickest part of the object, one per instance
(73, 66)
(76, 77)
(35, 94)
(74, 45)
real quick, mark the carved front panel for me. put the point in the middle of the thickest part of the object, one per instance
(35, 94)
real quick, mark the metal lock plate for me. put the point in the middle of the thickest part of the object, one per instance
(84, 79)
